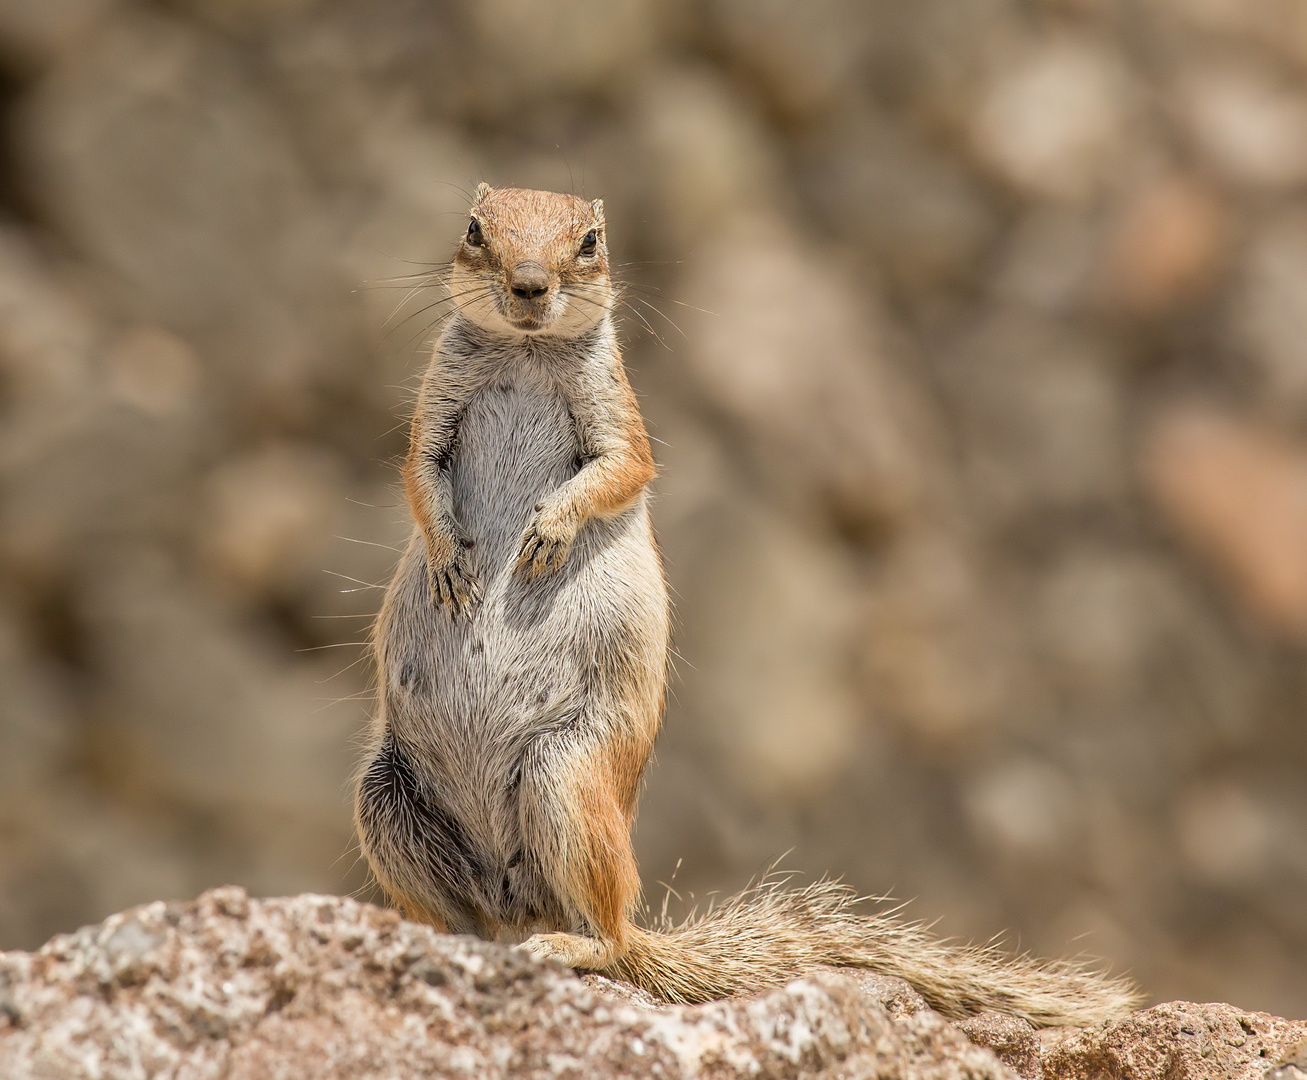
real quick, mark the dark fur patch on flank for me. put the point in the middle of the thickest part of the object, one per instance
(400, 815)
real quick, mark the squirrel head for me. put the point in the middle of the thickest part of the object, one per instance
(533, 262)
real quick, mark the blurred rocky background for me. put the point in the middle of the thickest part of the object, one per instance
(973, 334)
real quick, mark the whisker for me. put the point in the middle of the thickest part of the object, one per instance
(437, 270)
(425, 332)
(412, 315)
(476, 294)
(658, 311)
(357, 581)
(462, 191)
(370, 543)
(412, 292)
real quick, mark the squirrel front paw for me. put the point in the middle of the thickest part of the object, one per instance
(546, 542)
(454, 586)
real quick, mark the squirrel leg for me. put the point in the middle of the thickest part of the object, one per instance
(418, 913)
(454, 585)
(619, 466)
(573, 817)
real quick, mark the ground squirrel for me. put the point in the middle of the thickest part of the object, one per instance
(522, 650)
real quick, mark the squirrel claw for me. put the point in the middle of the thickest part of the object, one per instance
(454, 587)
(541, 551)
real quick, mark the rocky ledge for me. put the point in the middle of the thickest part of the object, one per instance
(322, 987)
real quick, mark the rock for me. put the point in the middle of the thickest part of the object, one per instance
(31, 35)
(268, 516)
(1176, 1041)
(806, 57)
(327, 987)
(1039, 412)
(1055, 122)
(1269, 311)
(874, 179)
(869, 457)
(942, 651)
(159, 155)
(204, 714)
(322, 987)
(708, 155)
(1049, 261)
(1292, 1064)
(1166, 247)
(1253, 128)
(1277, 25)
(1237, 491)
(153, 371)
(781, 654)
(1011, 1038)
(586, 46)
(1024, 807)
(1103, 619)
(1224, 834)
(36, 726)
(159, 152)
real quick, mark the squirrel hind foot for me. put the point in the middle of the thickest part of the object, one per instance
(571, 950)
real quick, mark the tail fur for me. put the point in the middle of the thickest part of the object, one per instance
(769, 935)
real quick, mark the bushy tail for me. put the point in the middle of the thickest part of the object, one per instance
(769, 935)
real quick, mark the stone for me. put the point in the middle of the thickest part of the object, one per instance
(1176, 1041)
(877, 181)
(1269, 312)
(867, 464)
(330, 988)
(1039, 412)
(709, 157)
(1055, 121)
(1166, 247)
(157, 152)
(268, 516)
(586, 45)
(1224, 834)
(756, 658)
(1024, 807)
(1253, 128)
(1049, 261)
(32, 35)
(323, 987)
(1276, 25)
(943, 652)
(807, 57)
(1237, 491)
(1291, 1065)
(153, 371)
(1011, 1038)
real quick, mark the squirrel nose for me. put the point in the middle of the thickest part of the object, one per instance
(529, 280)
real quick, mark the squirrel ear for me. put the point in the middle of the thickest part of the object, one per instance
(483, 189)
(598, 207)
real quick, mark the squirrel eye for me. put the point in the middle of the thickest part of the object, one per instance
(589, 243)
(474, 236)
